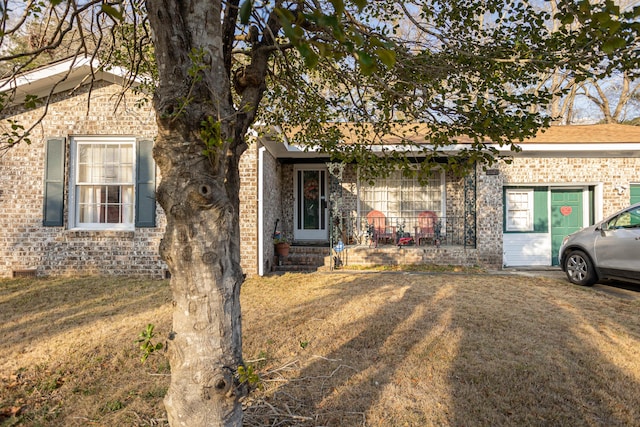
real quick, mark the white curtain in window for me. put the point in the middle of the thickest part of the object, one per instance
(105, 183)
(401, 199)
(399, 196)
(89, 202)
(127, 205)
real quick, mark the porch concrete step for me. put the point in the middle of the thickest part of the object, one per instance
(295, 268)
(303, 259)
(309, 250)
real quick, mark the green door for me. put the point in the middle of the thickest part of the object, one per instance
(566, 217)
(635, 194)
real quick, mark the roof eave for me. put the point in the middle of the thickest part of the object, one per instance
(60, 76)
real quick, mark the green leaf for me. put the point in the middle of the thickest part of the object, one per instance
(387, 56)
(31, 101)
(324, 49)
(286, 20)
(367, 64)
(310, 57)
(245, 11)
(338, 6)
(566, 19)
(613, 43)
(614, 26)
(360, 4)
(601, 17)
(285, 14)
(329, 21)
(357, 39)
(585, 7)
(112, 12)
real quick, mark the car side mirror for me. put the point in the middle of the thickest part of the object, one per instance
(604, 227)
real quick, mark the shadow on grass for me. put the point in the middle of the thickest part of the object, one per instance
(46, 306)
(69, 355)
(455, 350)
(359, 349)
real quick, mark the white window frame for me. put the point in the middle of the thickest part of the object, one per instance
(524, 210)
(74, 207)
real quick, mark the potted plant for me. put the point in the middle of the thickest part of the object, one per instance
(281, 245)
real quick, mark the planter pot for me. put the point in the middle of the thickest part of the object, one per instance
(282, 249)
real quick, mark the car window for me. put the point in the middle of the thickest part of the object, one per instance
(634, 220)
(628, 219)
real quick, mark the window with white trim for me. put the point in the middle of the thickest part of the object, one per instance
(519, 208)
(103, 182)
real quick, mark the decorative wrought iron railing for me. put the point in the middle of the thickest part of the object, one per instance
(400, 231)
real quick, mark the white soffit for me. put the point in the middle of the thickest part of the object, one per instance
(64, 75)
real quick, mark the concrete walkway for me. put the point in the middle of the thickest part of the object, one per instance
(619, 289)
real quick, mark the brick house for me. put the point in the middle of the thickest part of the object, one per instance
(79, 199)
(52, 221)
(514, 214)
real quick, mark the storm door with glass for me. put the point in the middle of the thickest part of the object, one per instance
(310, 213)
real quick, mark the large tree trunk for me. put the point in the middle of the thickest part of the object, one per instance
(199, 194)
(201, 247)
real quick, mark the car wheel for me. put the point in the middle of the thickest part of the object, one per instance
(580, 269)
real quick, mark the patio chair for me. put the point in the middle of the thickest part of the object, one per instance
(380, 230)
(426, 228)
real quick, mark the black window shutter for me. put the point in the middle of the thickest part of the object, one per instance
(53, 208)
(145, 185)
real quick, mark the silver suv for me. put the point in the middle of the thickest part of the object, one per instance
(609, 249)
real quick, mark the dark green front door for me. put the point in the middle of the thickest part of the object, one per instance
(566, 217)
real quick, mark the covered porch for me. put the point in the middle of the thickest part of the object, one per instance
(400, 221)
(393, 221)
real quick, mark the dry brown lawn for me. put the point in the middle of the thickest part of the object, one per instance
(362, 349)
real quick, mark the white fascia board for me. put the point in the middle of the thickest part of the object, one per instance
(604, 148)
(532, 149)
(65, 75)
(50, 74)
(293, 148)
(417, 148)
(300, 149)
(592, 147)
(55, 71)
(282, 149)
